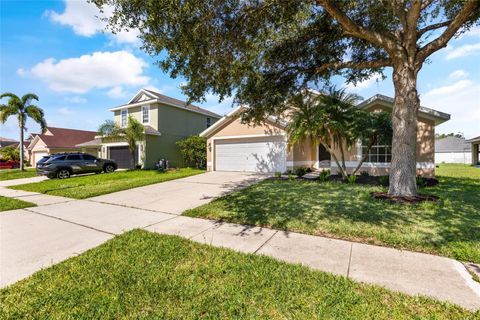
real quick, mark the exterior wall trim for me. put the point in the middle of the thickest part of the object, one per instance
(353, 164)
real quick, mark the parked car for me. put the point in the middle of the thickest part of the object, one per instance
(43, 160)
(63, 165)
(9, 164)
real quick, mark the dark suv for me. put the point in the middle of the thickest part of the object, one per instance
(63, 165)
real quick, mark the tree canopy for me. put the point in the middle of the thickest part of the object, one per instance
(265, 51)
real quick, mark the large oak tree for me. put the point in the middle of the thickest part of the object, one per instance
(264, 52)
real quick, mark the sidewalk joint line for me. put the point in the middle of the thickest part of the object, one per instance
(67, 221)
(268, 240)
(130, 207)
(211, 227)
(349, 260)
(152, 224)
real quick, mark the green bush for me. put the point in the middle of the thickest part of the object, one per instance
(278, 174)
(384, 180)
(301, 171)
(421, 182)
(10, 153)
(324, 175)
(365, 174)
(352, 178)
(194, 151)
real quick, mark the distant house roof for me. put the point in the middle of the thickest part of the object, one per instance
(64, 138)
(7, 142)
(437, 116)
(476, 139)
(158, 97)
(452, 144)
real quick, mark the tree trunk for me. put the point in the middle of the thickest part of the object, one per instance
(22, 166)
(404, 144)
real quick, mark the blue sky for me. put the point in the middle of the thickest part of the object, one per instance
(57, 50)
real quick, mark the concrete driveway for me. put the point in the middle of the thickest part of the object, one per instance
(176, 196)
(59, 228)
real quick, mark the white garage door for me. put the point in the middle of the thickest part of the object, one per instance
(266, 154)
(37, 156)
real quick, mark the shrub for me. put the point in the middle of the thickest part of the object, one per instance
(324, 175)
(10, 153)
(352, 178)
(301, 171)
(194, 151)
(278, 174)
(291, 177)
(365, 174)
(384, 180)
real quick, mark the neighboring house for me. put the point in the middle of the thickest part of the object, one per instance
(234, 146)
(166, 121)
(475, 143)
(57, 140)
(7, 142)
(452, 150)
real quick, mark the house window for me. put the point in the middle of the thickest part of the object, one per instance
(146, 114)
(381, 152)
(209, 122)
(124, 118)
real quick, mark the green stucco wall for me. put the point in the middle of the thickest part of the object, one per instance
(174, 124)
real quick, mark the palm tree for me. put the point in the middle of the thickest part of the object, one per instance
(23, 109)
(325, 119)
(134, 132)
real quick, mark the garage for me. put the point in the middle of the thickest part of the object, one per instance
(262, 154)
(37, 156)
(121, 155)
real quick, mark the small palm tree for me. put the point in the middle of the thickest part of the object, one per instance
(23, 109)
(134, 132)
(325, 119)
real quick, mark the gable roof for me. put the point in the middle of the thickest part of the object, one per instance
(437, 116)
(452, 144)
(476, 139)
(146, 96)
(63, 138)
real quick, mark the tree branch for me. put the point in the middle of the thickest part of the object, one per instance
(434, 27)
(452, 28)
(351, 28)
(354, 65)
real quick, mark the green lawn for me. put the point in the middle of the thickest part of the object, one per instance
(11, 204)
(94, 185)
(146, 275)
(9, 174)
(450, 228)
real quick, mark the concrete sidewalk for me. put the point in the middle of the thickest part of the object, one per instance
(15, 182)
(60, 228)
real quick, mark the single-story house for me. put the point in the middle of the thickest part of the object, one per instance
(4, 142)
(475, 143)
(235, 146)
(453, 150)
(166, 121)
(57, 140)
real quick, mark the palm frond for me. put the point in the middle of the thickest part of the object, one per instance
(29, 97)
(10, 95)
(37, 115)
(111, 131)
(6, 111)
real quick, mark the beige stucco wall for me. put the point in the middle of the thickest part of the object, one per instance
(305, 153)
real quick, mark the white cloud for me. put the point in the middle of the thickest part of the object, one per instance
(473, 32)
(65, 111)
(458, 74)
(212, 103)
(365, 83)
(97, 70)
(76, 99)
(463, 51)
(117, 93)
(86, 20)
(452, 88)
(462, 102)
(21, 72)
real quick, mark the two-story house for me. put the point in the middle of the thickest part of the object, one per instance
(166, 121)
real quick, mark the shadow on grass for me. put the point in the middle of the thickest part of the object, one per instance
(451, 226)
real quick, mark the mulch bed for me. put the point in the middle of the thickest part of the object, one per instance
(396, 199)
